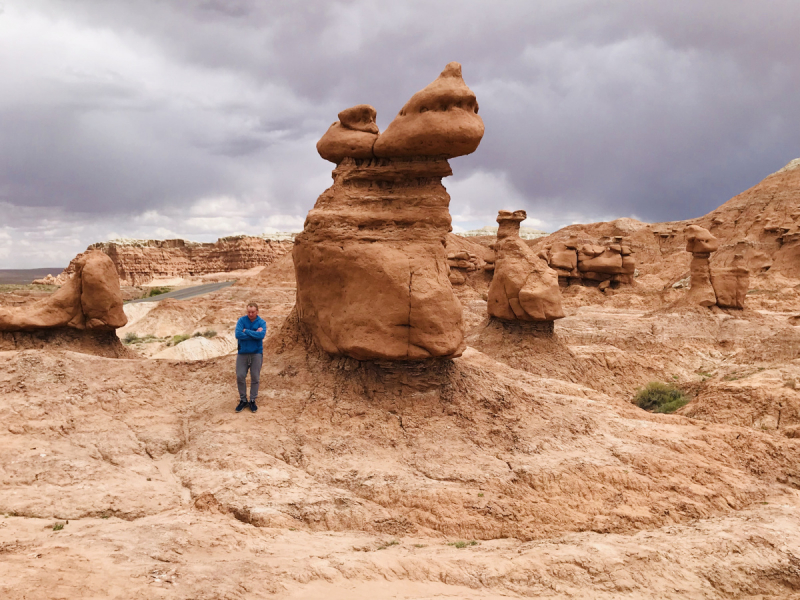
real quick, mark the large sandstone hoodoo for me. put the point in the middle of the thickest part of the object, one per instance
(91, 299)
(701, 244)
(524, 287)
(372, 273)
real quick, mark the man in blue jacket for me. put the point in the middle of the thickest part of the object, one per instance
(250, 331)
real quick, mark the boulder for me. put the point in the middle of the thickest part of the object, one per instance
(440, 120)
(524, 287)
(731, 283)
(353, 135)
(90, 299)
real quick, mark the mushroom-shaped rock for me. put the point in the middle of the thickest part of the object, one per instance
(701, 244)
(353, 135)
(91, 299)
(524, 287)
(440, 120)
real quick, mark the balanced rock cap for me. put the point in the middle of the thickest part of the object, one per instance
(353, 135)
(439, 120)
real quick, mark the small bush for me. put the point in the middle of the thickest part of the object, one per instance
(209, 333)
(58, 527)
(177, 339)
(660, 398)
(463, 544)
(157, 291)
(131, 338)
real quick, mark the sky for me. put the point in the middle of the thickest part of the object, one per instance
(198, 119)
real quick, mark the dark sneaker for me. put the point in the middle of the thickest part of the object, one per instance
(242, 404)
(253, 407)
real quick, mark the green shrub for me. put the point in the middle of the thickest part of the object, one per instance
(131, 338)
(660, 398)
(177, 339)
(58, 527)
(209, 333)
(157, 291)
(463, 544)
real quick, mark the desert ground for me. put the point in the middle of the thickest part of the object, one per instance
(520, 469)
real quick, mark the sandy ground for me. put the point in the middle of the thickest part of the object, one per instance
(519, 470)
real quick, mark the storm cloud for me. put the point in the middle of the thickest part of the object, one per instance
(197, 120)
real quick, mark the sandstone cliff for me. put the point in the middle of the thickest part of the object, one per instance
(140, 261)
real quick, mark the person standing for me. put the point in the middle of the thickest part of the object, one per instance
(250, 331)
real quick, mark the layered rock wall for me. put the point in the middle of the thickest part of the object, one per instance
(140, 261)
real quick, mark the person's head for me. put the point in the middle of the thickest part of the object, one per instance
(252, 311)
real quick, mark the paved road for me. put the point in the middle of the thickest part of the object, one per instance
(186, 293)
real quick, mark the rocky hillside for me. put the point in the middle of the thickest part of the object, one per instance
(762, 223)
(141, 261)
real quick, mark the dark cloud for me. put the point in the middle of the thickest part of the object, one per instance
(592, 109)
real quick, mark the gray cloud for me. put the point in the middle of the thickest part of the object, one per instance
(112, 111)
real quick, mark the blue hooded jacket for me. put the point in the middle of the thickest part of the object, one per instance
(250, 340)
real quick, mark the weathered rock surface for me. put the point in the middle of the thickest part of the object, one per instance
(523, 288)
(731, 283)
(440, 120)
(141, 261)
(700, 243)
(586, 261)
(353, 135)
(373, 280)
(90, 299)
(372, 275)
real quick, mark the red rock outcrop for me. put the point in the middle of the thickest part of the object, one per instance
(700, 243)
(371, 268)
(141, 261)
(524, 287)
(731, 283)
(90, 299)
(585, 261)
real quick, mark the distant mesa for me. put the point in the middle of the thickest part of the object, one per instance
(526, 233)
(524, 287)
(138, 262)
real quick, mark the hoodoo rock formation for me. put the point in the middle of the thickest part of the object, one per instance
(91, 299)
(701, 244)
(371, 268)
(524, 287)
(140, 261)
(589, 262)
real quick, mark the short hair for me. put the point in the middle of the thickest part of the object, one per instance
(253, 304)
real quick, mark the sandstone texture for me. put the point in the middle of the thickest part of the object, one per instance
(700, 243)
(440, 120)
(353, 135)
(373, 280)
(523, 287)
(731, 283)
(372, 276)
(585, 261)
(90, 299)
(140, 261)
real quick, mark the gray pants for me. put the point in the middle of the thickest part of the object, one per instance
(243, 363)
